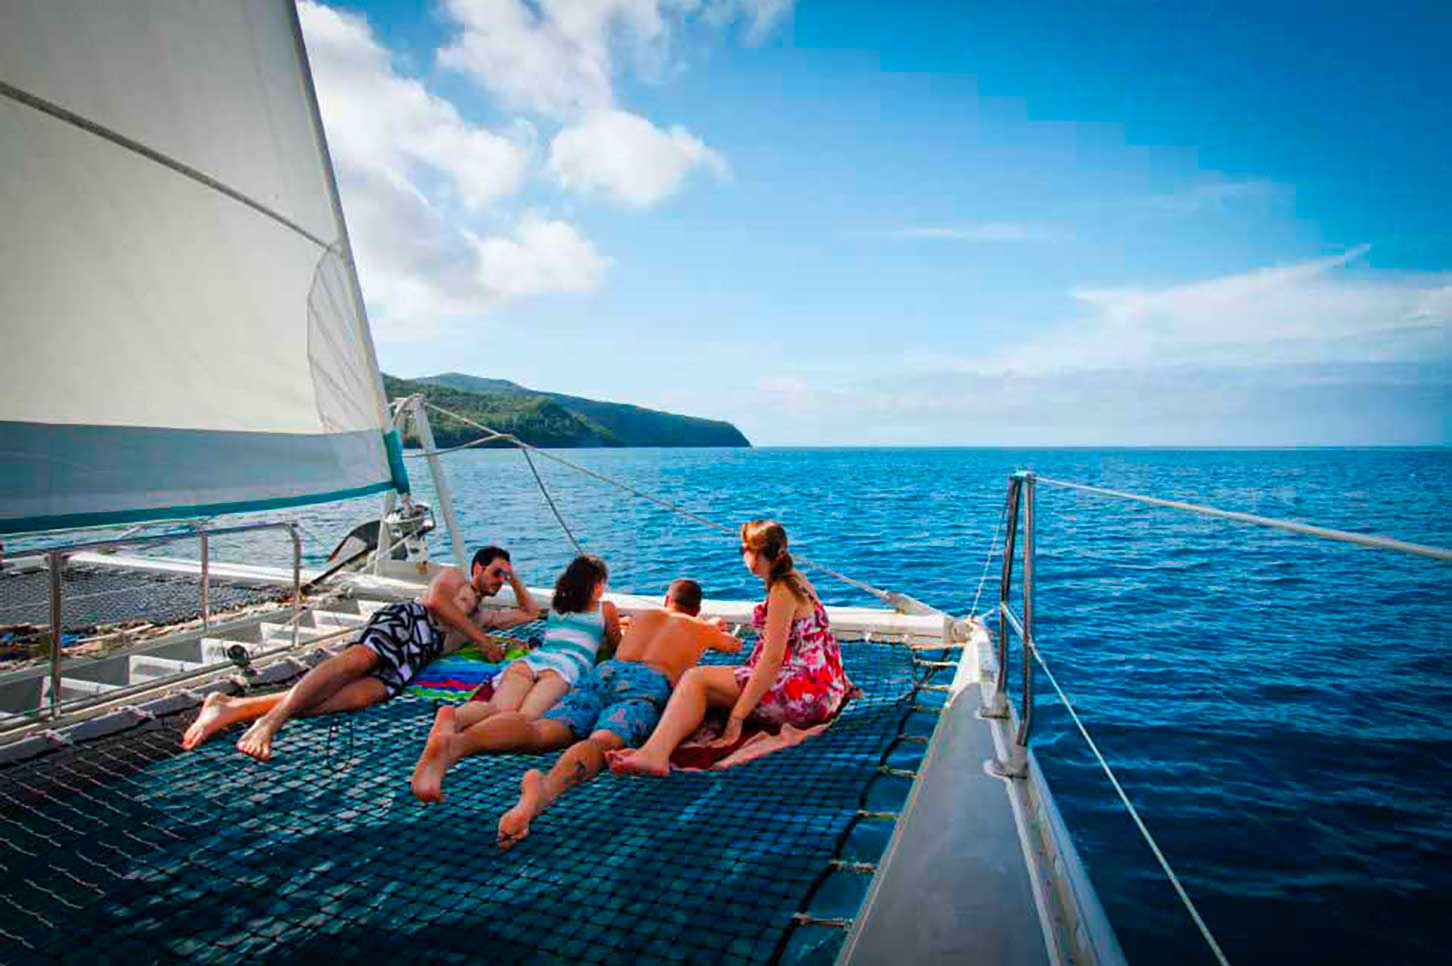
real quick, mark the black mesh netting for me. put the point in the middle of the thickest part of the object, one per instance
(93, 596)
(126, 850)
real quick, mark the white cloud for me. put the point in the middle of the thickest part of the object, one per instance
(417, 267)
(542, 256)
(761, 16)
(1317, 311)
(555, 60)
(1273, 405)
(559, 58)
(627, 158)
(387, 124)
(413, 174)
(992, 231)
(1210, 196)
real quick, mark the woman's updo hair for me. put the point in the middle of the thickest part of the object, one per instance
(573, 589)
(768, 539)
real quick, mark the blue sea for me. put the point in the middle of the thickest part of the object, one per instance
(1277, 707)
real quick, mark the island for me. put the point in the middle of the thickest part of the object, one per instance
(549, 419)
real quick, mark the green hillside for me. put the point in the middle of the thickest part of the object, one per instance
(554, 419)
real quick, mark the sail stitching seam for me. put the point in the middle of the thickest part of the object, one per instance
(151, 154)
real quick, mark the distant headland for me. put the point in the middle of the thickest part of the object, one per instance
(551, 419)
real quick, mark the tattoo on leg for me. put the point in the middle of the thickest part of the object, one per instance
(579, 774)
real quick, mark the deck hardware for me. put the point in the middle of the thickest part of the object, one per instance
(240, 656)
(57, 567)
(802, 919)
(56, 559)
(206, 577)
(946, 688)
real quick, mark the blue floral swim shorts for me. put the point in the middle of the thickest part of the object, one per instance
(625, 697)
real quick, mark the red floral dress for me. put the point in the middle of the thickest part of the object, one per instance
(811, 685)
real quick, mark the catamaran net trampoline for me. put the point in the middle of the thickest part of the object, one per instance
(95, 596)
(122, 849)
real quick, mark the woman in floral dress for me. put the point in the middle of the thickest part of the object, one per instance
(793, 677)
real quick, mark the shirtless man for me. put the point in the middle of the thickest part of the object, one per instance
(616, 704)
(398, 641)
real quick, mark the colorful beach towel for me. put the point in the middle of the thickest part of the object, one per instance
(457, 676)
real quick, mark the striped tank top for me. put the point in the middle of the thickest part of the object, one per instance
(570, 644)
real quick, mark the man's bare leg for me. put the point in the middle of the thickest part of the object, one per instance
(581, 762)
(221, 711)
(700, 688)
(316, 687)
(503, 732)
(354, 696)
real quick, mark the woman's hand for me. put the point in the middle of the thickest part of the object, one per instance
(730, 736)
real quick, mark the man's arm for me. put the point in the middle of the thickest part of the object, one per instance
(613, 632)
(524, 611)
(526, 604)
(439, 599)
(717, 637)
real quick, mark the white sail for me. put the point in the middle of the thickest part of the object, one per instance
(183, 330)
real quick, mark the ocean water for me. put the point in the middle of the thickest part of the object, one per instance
(1277, 707)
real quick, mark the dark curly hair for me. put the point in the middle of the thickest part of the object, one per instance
(573, 589)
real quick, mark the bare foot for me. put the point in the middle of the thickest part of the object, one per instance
(635, 761)
(428, 774)
(213, 718)
(257, 740)
(514, 824)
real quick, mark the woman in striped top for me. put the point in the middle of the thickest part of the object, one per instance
(578, 625)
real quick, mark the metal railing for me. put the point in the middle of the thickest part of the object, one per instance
(56, 558)
(1015, 763)
(1021, 488)
(1020, 497)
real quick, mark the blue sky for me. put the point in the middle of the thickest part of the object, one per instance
(834, 223)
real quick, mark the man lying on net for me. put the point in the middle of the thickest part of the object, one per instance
(615, 705)
(398, 642)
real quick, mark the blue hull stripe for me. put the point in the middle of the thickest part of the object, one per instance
(61, 476)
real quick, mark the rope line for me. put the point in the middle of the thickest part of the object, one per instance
(1325, 533)
(454, 449)
(550, 500)
(988, 560)
(1133, 814)
(877, 592)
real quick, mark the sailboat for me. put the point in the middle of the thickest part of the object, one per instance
(186, 341)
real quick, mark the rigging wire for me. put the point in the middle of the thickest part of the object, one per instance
(1326, 533)
(1129, 806)
(550, 500)
(454, 449)
(877, 592)
(988, 560)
